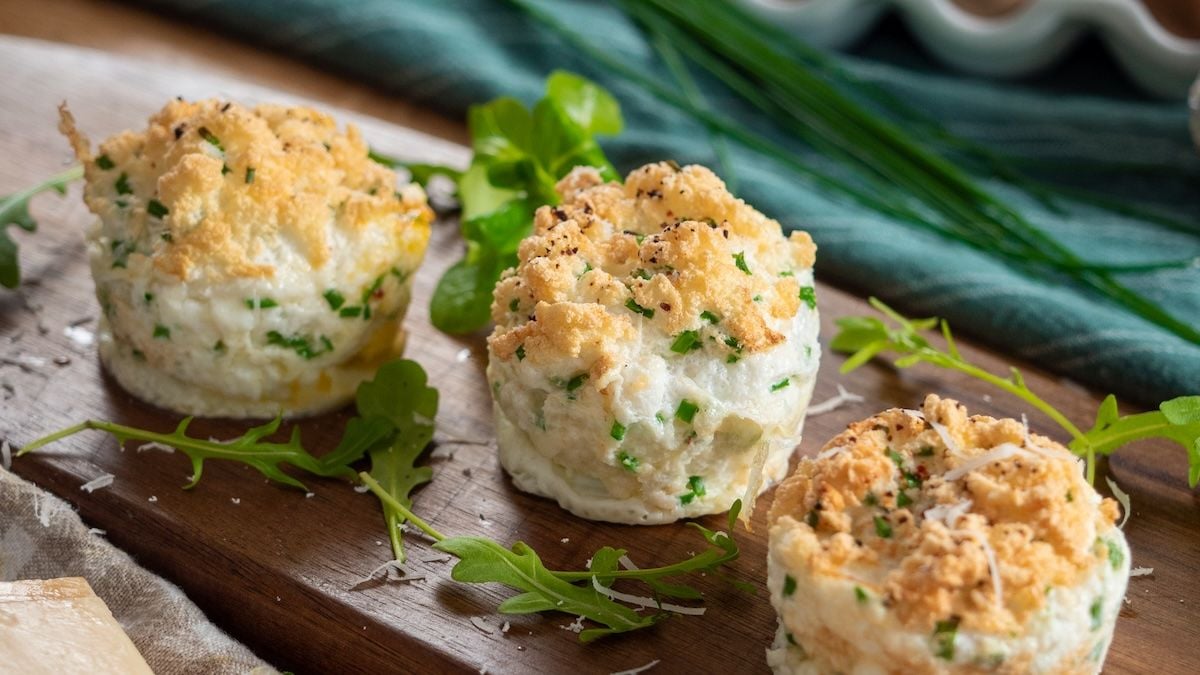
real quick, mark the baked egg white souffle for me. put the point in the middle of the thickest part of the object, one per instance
(655, 348)
(934, 542)
(248, 261)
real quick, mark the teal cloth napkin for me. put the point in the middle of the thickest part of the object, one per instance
(452, 53)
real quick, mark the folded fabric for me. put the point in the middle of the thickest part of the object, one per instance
(42, 538)
(453, 53)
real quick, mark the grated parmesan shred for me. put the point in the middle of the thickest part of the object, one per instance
(639, 669)
(996, 454)
(387, 568)
(833, 403)
(625, 562)
(42, 508)
(98, 483)
(948, 514)
(947, 439)
(642, 601)
(1122, 498)
(155, 445)
(993, 568)
(1141, 571)
(6, 455)
(755, 482)
(482, 625)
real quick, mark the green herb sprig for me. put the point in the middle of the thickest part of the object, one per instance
(482, 560)
(1177, 420)
(396, 410)
(14, 210)
(249, 449)
(892, 172)
(520, 154)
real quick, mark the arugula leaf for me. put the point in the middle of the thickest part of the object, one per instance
(520, 154)
(249, 449)
(482, 560)
(14, 210)
(1177, 420)
(398, 400)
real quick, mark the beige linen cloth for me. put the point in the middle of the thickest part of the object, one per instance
(41, 537)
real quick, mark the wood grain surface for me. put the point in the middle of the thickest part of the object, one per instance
(282, 572)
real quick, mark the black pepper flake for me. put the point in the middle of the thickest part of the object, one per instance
(559, 213)
(225, 107)
(655, 194)
(666, 307)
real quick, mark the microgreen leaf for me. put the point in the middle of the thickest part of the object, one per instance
(14, 210)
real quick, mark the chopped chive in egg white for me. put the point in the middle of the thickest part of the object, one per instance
(975, 569)
(223, 240)
(617, 431)
(674, 261)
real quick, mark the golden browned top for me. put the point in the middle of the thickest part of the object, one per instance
(890, 494)
(666, 247)
(233, 179)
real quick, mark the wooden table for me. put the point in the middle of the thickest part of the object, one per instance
(279, 571)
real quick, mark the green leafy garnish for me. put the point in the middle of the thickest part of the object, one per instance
(883, 528)
(1177, 420)
(300, 344)
(781, 384)
(482, 560)
(695, 489)
(901, 164)
(633, 306)
(14, 210)
(396, 410)
(520, 154)
(162, 332)
(710, 317)
(627, 461)
(261, 303)
(944, 633)
(212, 139)
(808, 295)
(686, 411)
(739, 259)
(334, 298)
(249, 449)
(156, 208)
(617, 431)
(249, 175)
(686, 342)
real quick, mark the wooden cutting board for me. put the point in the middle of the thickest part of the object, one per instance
(282, 572)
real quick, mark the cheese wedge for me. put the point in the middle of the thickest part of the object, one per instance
(61, 626)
